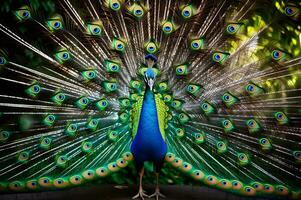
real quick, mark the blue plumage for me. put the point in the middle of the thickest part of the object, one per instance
(148, 144)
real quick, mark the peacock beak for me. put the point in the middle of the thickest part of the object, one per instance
(150, 75)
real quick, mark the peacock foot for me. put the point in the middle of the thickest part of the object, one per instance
(157, 194)
(141, 194)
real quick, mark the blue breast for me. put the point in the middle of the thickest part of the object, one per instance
(148, 144)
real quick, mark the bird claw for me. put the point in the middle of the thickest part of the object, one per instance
(157, 194)
(141, 194)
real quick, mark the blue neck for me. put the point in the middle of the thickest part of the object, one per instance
(148, 143)
(148, 123)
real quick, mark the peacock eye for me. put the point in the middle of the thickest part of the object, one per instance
(91, 74)
(2, 61)
(112, 66)
(65, 55)
(93, 123)
(23, 156)
(23, 13)
(136, 84)
(59, 98)
(151, 47)
(84, 101)
(55, 23)
(233, 28)
(102, 104)
(177, 104)
(187, 12)
(49, 120)
(137, 10)
(4, 135)
(281, 118)
(228, 125)
(33, 90)
(88, 75)
(62, 56)
(72, 127)
(220, 57)
(278, 55)
(36, 88)
(184, 118)
(193, 89)
(229, 99)
(197, 44)
(118, 45)
(180, 132)
(45, 143)
(265, 143)
(110, 86)
(243, 159)
(291, 10)
(250, 88)
(251, 123)
(200, 138)
(87, 147)
(168, 27)
(113, 135)
(230, 28)
(94, 28)
(181, 70)
(115, 5)
(61, 161)
(297, 155)
(124, 117)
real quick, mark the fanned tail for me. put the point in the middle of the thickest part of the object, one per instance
(70, 80)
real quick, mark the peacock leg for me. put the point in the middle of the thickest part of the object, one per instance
(141, 192)
(157, 193)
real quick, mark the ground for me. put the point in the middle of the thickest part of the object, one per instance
(100, 192)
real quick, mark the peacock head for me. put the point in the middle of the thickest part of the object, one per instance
(150, 75)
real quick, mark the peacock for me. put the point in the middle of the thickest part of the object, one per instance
(208, 88)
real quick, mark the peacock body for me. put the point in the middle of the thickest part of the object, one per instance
(148, 143)
(210, 88)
